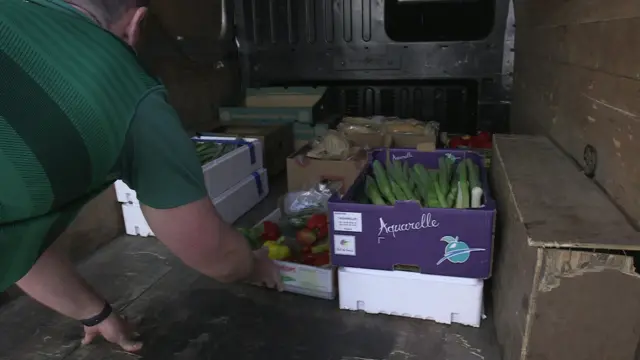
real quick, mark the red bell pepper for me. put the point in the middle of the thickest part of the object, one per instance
(319, 223)
(271, 231)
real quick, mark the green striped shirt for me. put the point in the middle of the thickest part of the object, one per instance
(77, 111)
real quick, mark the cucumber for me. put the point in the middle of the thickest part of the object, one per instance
(383, 182)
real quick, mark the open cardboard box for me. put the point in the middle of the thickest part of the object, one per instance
(307, 280)
(422, 142)
(435, 241)
(303, 172)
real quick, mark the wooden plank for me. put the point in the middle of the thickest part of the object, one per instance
(576, 107)
(559, 206)
(515, 267)
(121, 272)
(577, 81)
(596, 46)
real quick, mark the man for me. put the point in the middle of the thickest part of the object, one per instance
(76, 113)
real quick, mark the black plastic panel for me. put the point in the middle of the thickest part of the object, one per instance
(325, 42)
(346, 39)
(453, 104)
(438, 21)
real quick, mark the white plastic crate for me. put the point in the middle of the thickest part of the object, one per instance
(442, 299)
(220, 174)
(231, 205)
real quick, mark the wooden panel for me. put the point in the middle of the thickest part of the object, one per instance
(548, 13)
(514, 269)
(578, 79)
(557, 204)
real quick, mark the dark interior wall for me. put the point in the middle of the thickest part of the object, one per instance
(183, 43)
(577, 79)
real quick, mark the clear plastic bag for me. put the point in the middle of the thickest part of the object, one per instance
(299, 204)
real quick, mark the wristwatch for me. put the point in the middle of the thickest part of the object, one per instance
(102, 316)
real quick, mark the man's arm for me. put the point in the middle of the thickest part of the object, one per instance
(159, 161)
(198, 236)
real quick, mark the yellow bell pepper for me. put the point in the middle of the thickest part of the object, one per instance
(278, 250)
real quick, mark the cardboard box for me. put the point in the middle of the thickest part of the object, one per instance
(304, 172)
(422, 142)
(308, 132)
(407, 236)
(307, 280)
(277, 142)
(563, 286)
(220, 174)
(268, 106)
(231, 204)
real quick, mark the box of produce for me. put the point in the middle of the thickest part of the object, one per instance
(279, 105)
(231, 204)
(226, 161)
(300, 247)
(428, 212)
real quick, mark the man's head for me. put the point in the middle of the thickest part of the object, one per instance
(121, 17)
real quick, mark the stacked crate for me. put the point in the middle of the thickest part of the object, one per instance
(408, 260)
(235, 182)
(309, 110)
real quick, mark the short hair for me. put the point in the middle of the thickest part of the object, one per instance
(108, 11)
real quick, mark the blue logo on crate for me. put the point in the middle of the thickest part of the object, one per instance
(456, 251)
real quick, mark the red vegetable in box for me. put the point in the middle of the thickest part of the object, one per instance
(319, 223)
(271, 231)
(306, 237)
(480, 141)
(319, 259)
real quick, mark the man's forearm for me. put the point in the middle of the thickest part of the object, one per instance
(235, 260)
(199, 237)
(54, 282)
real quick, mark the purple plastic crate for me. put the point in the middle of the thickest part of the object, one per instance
(448, 242)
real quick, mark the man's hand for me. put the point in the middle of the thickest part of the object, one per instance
(265, 271)
(116, 330)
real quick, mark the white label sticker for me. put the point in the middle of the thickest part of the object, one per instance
(347, 221)
(344, 245)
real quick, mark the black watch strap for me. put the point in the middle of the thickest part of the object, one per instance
(104, 314)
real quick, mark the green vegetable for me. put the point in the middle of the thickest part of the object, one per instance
(474, 184)
(396, 171)
(464, 185)
(441, 195)
(450, 185)
(383, 182)
(397, 191)
(421, 181)
(209, 151)
(452, 196)
(443, 175)
(252, 236)
(371, 189)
